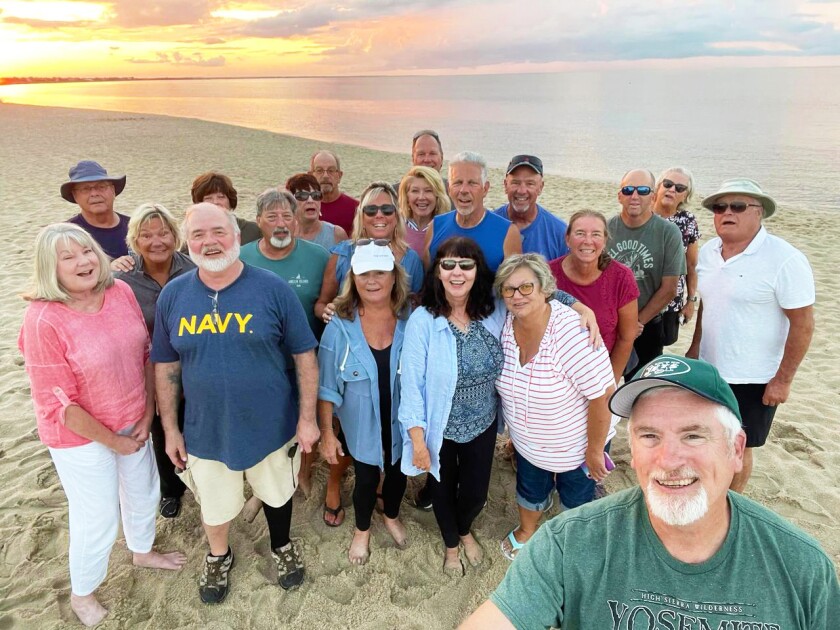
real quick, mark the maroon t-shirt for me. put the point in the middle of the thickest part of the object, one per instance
(340, 212)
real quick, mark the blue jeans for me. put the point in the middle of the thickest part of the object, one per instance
(534, 486)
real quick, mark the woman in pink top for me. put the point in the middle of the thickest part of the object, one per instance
(604, 285)
(85, 347)
(422, 197)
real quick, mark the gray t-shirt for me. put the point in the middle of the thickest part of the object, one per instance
(652, 251)
(602, 566)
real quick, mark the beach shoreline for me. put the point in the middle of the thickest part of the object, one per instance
(797, 474)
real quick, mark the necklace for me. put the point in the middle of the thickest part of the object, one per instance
(462, 323)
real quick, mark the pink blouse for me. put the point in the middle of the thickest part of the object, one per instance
(93, 360)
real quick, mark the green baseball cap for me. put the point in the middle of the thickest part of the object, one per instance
(696, 376)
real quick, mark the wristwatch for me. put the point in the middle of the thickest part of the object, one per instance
(693, 298)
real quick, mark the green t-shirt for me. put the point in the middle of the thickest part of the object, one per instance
(652, 251)
(601, 566)
(303, 269)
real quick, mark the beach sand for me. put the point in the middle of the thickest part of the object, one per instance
(797, 474)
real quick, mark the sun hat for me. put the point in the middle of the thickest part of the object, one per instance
(742, 186)
(693, 375)
(525, 160)
(89, 171)
(372, 257)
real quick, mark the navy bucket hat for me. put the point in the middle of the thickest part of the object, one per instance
(89, 171)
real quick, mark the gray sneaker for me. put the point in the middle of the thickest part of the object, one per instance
(213, 584)
(289, 566)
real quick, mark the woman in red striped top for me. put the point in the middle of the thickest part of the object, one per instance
(554, 389)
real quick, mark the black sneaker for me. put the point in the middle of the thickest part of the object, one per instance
(289, 566)
(423, 501)
(213, 584)
(170, 507)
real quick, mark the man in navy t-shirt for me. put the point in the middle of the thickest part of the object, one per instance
(219, 333)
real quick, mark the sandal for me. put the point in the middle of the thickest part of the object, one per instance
(510, 546)
(338, 514)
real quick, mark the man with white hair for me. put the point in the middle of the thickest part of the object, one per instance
(220, 333)
(679, 550)
(497, 237)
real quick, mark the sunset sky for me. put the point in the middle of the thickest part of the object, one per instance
(156, 38)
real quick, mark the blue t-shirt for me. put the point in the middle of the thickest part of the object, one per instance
(546, 235)
(490, 235)
(410, 262)
(111, 240)
(239, 406)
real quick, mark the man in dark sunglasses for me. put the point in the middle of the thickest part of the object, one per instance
(652, 248)
(756, 316)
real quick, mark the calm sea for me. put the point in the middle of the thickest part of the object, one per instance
(778, 126)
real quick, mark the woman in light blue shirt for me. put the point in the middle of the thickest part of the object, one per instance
(358, 361)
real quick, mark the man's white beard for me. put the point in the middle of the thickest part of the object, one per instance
(677, 511)
(216, 265)
(281, 243)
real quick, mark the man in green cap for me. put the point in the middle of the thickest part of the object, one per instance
(680, 550)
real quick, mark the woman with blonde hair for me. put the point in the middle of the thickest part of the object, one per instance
(422, 197)
(86, 351)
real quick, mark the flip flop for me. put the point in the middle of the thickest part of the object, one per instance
(335, 512)
(510, 546)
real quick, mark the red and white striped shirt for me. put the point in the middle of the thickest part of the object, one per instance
(546, 401)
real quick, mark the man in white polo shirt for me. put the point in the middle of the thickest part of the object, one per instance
(756, 314)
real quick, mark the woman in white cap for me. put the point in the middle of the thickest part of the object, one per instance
(358, 370)
(85, 347)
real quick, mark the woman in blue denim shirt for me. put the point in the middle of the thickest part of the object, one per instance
(358, 361)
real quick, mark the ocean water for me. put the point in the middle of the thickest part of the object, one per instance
(779, 126)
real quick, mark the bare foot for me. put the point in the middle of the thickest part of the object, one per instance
(88, 609)
(172, 561)
(473, 550)
(452, 564)
(397, 531)
(360, 548)
(251, 509)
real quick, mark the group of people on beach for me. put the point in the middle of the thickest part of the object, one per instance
(401, 334)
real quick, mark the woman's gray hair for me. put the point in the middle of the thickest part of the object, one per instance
(275, 197)
(471, 157)
(682, 171)
(45, 285)
(534, 262)
(146, 213)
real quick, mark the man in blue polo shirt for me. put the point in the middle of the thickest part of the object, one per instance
(542, 232)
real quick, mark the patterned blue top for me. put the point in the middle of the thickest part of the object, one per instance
(474, 402)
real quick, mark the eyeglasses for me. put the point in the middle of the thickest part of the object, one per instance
(448, 264)
(303, 195)
(643, 191)
(526, 288)
(680, 188)
(382, 242)
(736, 206)
(328, 171)
(86, 189)
(386, 208)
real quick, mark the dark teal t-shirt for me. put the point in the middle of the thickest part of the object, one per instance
(239, 405)
(601, 566)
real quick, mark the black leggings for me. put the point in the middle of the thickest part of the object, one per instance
(648, 345)
(279, 521)
(170, 484)
(464, 480)
(364, 494)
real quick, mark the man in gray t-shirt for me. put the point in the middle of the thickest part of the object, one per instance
(652, 248)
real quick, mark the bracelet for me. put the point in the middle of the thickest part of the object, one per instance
(693, 298)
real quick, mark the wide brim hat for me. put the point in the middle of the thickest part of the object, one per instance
(742, 186)
(90, 171)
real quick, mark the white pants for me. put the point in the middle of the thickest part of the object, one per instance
(100, 486)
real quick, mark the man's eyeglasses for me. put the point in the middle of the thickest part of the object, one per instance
(736, 206)
(526, 288)
(328, 171)
(448, 264)
(303, 195)
(643, 191)
(680, 188)
(386, 208)
(382, 242)
(86, 189)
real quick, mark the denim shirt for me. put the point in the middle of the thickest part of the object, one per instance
(410, 262)
(348, 378)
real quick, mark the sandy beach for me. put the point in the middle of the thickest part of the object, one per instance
(797, 474)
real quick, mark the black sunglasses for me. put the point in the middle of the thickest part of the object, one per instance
(386, 208)
(735, 206)
(680, 188)
(303, 195)
(448, 264)
(382, 242)
(643, 191)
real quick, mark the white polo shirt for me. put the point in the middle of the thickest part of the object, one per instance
(744, 327)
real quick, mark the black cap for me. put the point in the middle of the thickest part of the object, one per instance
(525, 160)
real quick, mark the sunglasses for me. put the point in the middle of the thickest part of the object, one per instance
(386, 209)
(735, 206)
(382, 242)
(643, 191)
(303, 195)
(680, 188)
(448, 264)
(526, 288)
